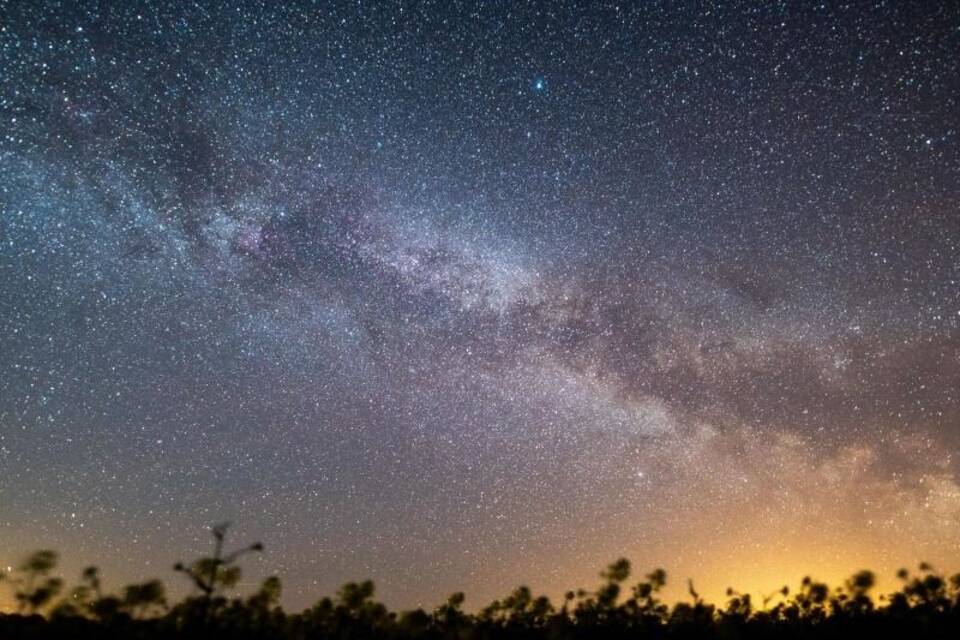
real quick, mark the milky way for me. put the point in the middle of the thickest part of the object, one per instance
(460, 296)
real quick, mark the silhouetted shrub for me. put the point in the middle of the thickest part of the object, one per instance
(926, 606)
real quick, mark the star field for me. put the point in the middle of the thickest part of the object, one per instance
(458, 296)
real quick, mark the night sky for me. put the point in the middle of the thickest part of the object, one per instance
(462, 296)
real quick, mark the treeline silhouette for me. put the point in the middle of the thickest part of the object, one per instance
(927, 605)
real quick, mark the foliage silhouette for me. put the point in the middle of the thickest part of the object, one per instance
(926, 606)
(210, 576)
(33, 587)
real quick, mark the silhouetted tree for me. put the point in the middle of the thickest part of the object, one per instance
(927, 605)
(141, 599)
(211, 575)
(33, 586)
(81, 598)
